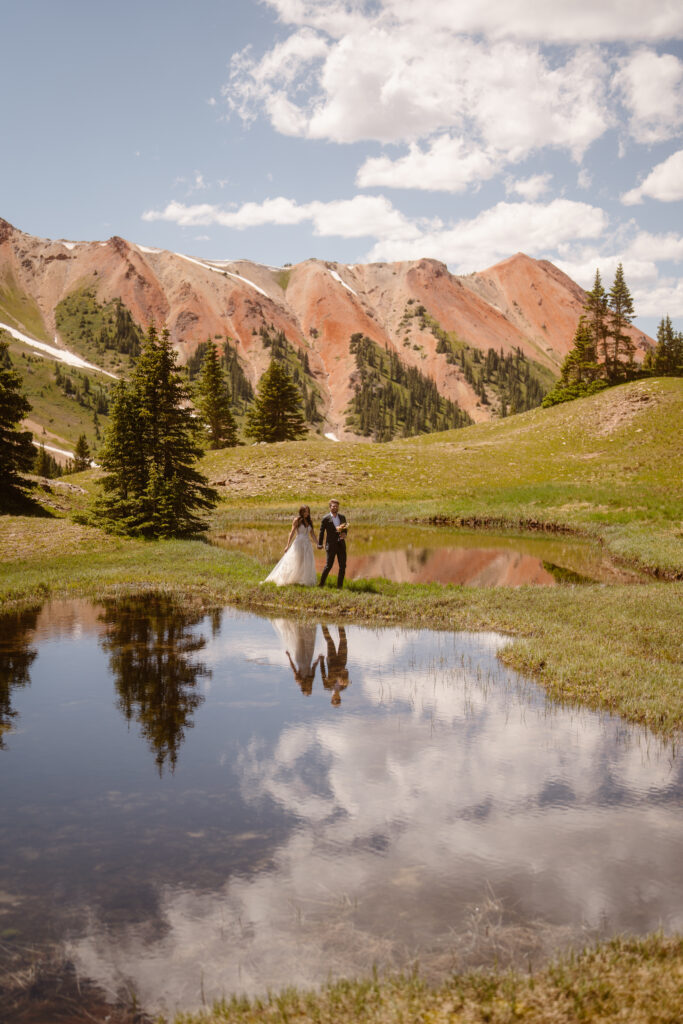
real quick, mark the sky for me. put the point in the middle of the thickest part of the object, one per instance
(355, 131)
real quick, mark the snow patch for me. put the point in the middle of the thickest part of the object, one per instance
(69, 245)
(336, 276)
(61, 451)
(332, 437)
(238, 277)
(147, 248)
(244, 280)
(51, 448)
(61, 354)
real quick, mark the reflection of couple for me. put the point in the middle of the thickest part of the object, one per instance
(301, 638)
(297, 565)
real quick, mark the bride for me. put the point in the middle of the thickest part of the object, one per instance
(297, 565)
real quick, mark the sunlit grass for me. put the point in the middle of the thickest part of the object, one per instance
(625, 981)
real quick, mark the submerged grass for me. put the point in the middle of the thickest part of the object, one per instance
(639, 981)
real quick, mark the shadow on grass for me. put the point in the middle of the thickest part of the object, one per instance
(20, 502)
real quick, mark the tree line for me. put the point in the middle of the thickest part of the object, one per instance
(393, 399)
(518, 382)
(603, 351)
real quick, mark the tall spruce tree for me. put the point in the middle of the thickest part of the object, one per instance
(16, 448)
(596, 314)
(620, 365)
(580, 372)
(152, 487)
(276, 414)
(212, 398)
(667, 358)
(82, 455)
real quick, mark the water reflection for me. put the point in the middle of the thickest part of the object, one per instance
(300, 637)
(16, 656)
(440, 554)
(336, 678)
(444, 812)
(151, 646)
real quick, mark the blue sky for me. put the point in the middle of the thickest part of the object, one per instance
(355, 130)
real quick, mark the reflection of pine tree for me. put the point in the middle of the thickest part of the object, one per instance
(16, 656)
(151, 643)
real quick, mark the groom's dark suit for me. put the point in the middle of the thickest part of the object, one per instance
(335, 545)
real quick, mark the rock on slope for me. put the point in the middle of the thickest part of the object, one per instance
(519, 303)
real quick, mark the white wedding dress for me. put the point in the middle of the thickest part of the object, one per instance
(297, 565)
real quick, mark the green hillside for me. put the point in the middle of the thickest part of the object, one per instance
(608, 465)
(18, 310)
(66, 401)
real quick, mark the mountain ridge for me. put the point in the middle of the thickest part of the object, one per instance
(415, 309)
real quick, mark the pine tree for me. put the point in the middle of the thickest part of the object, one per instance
(596, 308)
(82, 455)
(580, 372)
(667, 358)
(45, 464)
(619, 317)
(212, 398)
(16, 448)
(151, 487)
(276, 414)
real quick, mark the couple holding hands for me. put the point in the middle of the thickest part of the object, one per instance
(297, 565)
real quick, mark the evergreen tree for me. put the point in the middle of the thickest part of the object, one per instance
(82, 455)
(580, 373)
(212, 398)
(596, 308)
(619, 317)
(16, 448)
(276, 414)
(45, 464)
(151, 487)
(667, 358)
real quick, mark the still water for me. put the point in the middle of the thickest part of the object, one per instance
(197, 804)
(439, 554)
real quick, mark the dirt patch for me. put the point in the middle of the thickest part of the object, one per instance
(622, 410)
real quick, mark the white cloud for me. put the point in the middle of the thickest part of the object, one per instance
(529, 188)
(360, 217)
(584, 179)
(651, 87)
(536, 228)
(664, 182)
(496, 233)
(449, 164)
(392, 81)
(646, 246)
(665, 298)
(572, 20)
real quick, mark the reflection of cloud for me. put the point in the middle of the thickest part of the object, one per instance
(447, 777)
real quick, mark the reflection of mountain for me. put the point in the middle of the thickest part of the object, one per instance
(151, 643)
(481, 567)
(16, 656)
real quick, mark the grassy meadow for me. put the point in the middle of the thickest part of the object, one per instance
(607, 467)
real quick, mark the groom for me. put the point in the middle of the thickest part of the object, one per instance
(333, 528)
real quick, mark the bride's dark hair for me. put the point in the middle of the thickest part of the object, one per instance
(304, 516)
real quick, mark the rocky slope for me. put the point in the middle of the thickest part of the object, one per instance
(519, 303)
